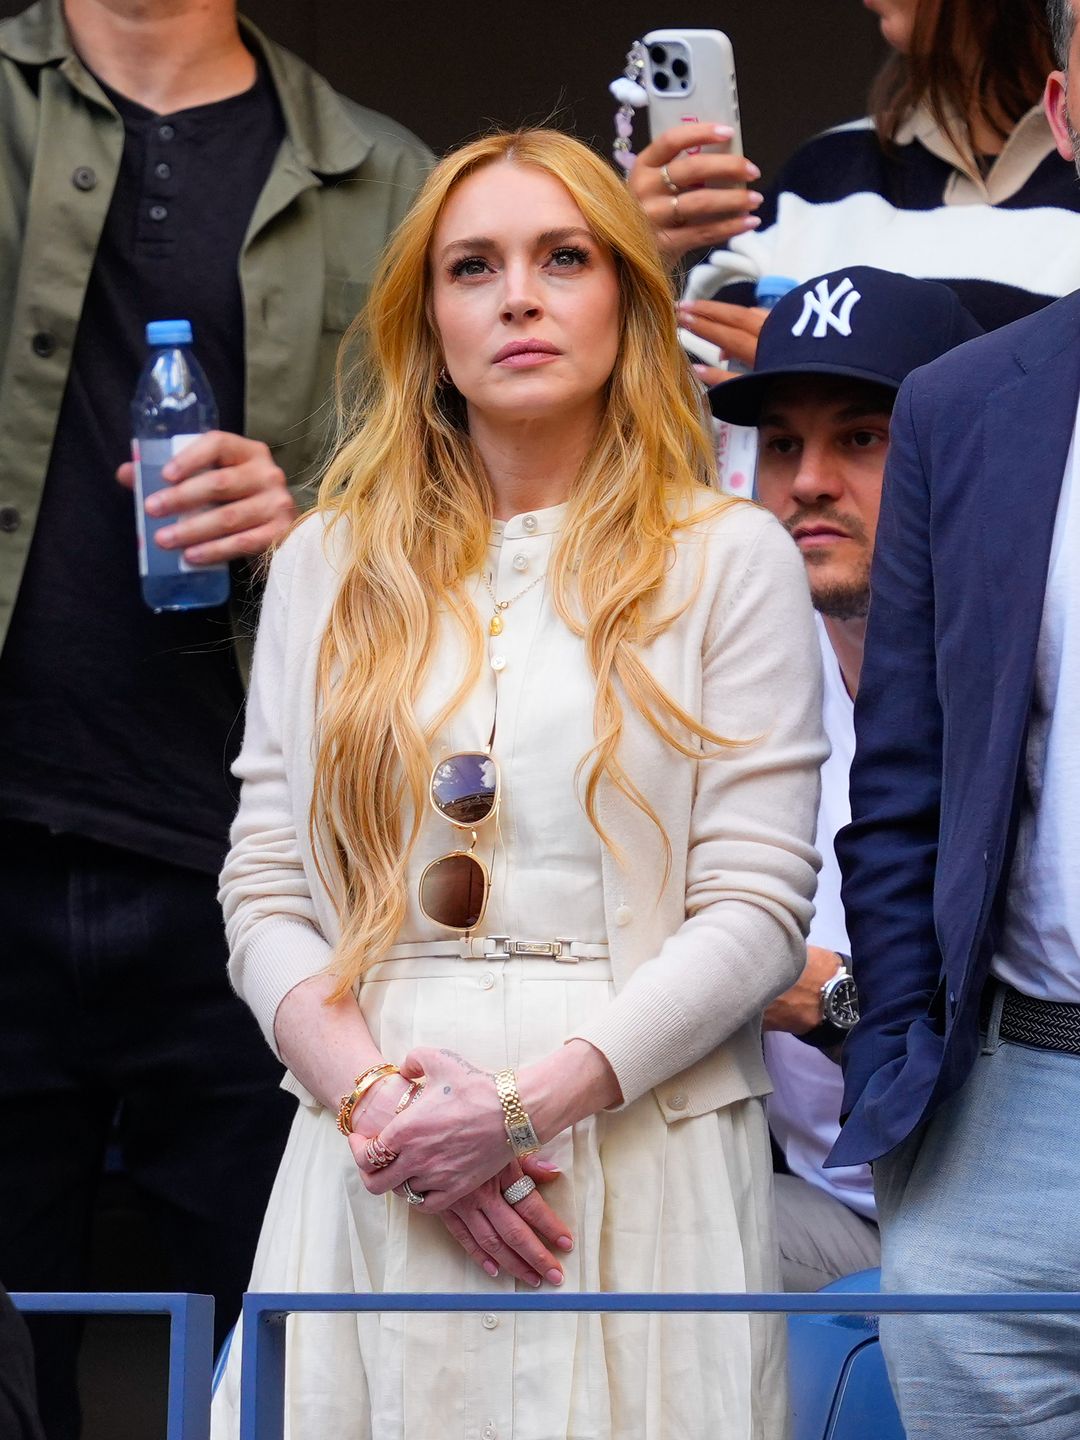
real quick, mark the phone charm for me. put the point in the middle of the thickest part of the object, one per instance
(631, 96)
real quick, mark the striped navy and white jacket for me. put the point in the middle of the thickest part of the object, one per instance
(1008, 243)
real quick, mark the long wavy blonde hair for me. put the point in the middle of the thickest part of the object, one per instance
(410, 498)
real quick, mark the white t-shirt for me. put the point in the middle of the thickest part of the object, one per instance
(808, 1089)
(1039, 952)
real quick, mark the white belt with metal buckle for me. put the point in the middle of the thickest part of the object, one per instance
(498, 947)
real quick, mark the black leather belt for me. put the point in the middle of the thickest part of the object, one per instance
(1045, 1024)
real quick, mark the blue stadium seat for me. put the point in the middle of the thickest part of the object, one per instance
(839, 1388)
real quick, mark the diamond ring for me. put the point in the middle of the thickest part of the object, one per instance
(515, 1193)
(412, 1196)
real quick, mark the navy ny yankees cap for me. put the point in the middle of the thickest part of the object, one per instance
(861, 322)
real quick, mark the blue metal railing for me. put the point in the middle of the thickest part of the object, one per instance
(262, 1376)
(191, 1345)
(262, 1382)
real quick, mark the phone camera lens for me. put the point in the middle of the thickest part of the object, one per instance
(657, 54)
(661, 79)
(680, 69)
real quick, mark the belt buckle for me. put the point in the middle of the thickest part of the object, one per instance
(558, 949)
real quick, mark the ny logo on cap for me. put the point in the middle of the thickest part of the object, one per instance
(823, 302)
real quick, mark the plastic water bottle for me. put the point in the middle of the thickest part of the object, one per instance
(737, 445)
(173, 405)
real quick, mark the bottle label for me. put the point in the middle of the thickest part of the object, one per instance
(151, 457)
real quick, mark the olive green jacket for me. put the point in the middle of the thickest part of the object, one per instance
(342, 180)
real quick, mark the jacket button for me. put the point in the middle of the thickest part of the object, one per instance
(83, 178)
(490, 1322)
(43, 344)
(10, 519)
(678, 1101)
(623, 915)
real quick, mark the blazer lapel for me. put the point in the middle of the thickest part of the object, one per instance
(1028, 428)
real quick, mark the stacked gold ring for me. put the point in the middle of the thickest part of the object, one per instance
(378, 1154)
(673, 189)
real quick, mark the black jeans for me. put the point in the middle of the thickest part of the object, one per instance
(114, 1000)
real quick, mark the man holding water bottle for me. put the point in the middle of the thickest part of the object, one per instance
(159, 161)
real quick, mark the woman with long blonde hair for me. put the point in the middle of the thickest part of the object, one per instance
(524, 844)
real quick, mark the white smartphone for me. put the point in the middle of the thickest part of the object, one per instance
(689, 77)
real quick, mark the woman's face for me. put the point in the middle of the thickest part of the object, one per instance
(897, 19)
(525, 298)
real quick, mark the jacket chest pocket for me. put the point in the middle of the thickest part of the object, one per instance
(343, 300)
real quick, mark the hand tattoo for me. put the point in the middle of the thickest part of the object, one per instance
(466, 1065)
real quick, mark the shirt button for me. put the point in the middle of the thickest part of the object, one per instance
(529, 523)
(84, 178)
(678, 1101)
(10, 519)
(489, 1322)
(498, 662)
(43, 344)
(487, 980)
(163, 170)
(623, 915)
(520, 562)
(165, 132)
(489, 1432)
(158, 212)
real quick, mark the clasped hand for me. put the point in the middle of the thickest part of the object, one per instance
(451, 1147)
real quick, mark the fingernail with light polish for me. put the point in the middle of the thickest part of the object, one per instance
(751, 222)
(492, 1269)
(756, 197)
(564, 1242)
(534, 1281)
(547, 1166)
(752, 171)
(555, 1277)
(723, 132)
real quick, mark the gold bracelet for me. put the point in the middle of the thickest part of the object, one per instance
(415, 1087)
(519, 1128)
(361, 1086)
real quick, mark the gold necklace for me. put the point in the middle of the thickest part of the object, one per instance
(495, 624)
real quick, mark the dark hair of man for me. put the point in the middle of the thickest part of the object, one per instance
(1062, 18)
(985, 59)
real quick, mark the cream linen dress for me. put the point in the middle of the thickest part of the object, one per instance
(652, 1206)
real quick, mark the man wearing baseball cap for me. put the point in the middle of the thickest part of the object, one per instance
(831, 357)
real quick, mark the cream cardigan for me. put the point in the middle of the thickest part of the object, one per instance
(694, 962)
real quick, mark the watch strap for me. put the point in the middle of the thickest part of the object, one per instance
(519, 1128)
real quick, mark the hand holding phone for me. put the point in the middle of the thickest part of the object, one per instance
(692, 179)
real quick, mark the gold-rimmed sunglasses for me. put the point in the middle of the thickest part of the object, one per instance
(464, 790)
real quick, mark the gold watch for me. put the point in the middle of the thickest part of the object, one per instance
(519, 1128)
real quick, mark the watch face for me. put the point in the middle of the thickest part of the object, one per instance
(841, 1002)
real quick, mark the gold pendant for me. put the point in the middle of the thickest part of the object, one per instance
(495, 625)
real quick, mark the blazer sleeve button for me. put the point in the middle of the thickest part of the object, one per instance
(678, 1101)
(623, 915)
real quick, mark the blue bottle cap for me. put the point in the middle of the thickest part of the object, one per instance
(168, 332)
(775, 287)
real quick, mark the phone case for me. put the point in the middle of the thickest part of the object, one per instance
(705, 90)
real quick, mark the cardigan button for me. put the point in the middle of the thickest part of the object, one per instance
(678, 1101)
(623, 915)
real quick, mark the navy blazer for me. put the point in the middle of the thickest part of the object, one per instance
(979, 444)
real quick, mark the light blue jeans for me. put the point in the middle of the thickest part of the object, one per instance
(986, 1196)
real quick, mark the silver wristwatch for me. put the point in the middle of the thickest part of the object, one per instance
(839, 1009)
(840, 998)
